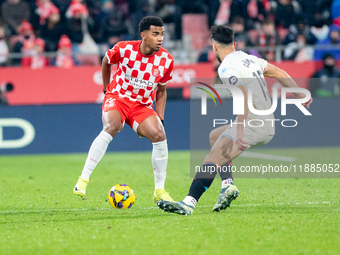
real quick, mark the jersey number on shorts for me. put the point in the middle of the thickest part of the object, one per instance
(261, 81)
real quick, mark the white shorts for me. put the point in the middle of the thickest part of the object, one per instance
(254, 136)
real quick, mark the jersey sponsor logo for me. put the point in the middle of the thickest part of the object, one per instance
(139, 83)
(233, 80)
(155, 72)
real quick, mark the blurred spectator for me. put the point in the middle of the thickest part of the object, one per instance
(213, 6)
(285, 14)
(64, 56)
(3, 48)
(320, 30)
(123, 6)
(207, 54)
(170, 13)
(74, 15)
(184, 7)
(62, 5)
(45, 9)
(268, 37)
(34, 18)
(51, 31)
(56, 16)
(298, 50)
(241, 44)
(250, 10)
(335, 10)
(300, 29)
(37, 59)
(94, 7)
(257, 11)
(229, 9)
(76, 9)
(194, 6)
(238, 8)
(223, 13)
(326, 81)
(106, 8)
(308, 10)
(137, 10)
(316, 9)
(12, 13)
(324, 11)
(112, 29)
(333, 40)
(25, 41)
(239, 28)
(50, 25)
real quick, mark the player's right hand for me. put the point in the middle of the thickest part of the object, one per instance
(307, 104)
(241, 144)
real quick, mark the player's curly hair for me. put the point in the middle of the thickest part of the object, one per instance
(222, 34)
(148, 21)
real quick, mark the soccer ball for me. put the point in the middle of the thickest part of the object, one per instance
(121, 196)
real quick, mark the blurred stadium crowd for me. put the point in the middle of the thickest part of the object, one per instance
(64, 33)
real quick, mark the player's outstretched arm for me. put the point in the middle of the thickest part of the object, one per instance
(160, 100)
(106, 72)
(273, 71)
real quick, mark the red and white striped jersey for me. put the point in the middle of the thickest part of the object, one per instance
(138, 75)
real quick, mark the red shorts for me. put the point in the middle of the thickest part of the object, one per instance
(133, 113)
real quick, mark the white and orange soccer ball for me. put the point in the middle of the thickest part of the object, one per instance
(121, 196)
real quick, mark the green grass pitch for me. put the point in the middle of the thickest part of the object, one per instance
(40, 215)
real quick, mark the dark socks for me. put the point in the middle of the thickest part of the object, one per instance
(226, 173)
(202, 181)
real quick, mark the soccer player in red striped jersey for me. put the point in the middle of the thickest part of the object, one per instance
(143, 70)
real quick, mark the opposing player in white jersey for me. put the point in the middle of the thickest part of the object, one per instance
(143, 69)
(247, 73)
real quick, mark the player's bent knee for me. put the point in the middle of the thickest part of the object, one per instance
(113, 128)
(158, 136)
